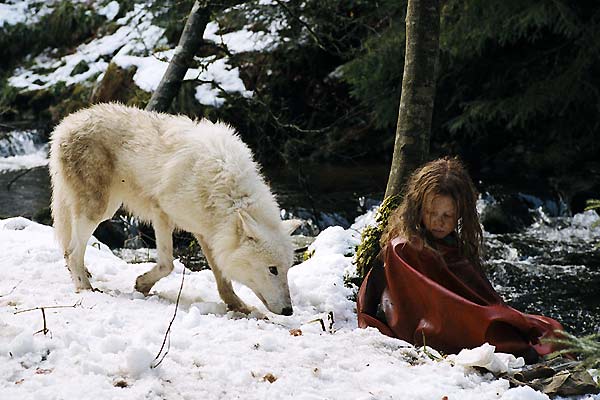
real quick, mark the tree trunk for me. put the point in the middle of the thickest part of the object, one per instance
(413, 130)
(190, 40)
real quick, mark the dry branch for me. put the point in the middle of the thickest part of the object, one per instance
(11, 290)
(168, 332)
(45, 329)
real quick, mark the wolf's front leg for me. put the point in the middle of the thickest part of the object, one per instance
(163, 229)
(234, 303)
(225, 288)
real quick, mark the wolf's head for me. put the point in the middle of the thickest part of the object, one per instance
(262, 258)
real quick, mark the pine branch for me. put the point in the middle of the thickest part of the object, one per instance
(586, 347)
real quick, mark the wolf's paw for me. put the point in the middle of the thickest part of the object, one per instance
(255, 313)
(142, 286)
(82, 283)
(249, 311)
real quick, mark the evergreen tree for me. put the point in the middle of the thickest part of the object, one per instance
(517, 81)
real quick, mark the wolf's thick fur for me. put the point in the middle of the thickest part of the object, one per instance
(177, 173)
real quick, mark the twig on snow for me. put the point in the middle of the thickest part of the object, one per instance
(322, 322)
(11, 290)
(45, 329)
(168, 332)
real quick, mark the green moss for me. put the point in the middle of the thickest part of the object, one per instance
(69, 24)
(15, 42)
(68, 99)
(308, 254)
(139, 97)
(80, 68)
(8, 95)
(369, 248)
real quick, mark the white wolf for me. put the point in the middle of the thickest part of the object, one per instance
(197, 176)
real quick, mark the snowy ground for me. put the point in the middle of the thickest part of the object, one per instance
(104, 346)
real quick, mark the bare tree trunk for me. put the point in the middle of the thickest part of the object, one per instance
(413, 130)
(190, 40)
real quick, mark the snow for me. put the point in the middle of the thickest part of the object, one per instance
(485, 357)
(244, 40)
(12, 14)
(103, 345)
(25, 11)
(110, 10)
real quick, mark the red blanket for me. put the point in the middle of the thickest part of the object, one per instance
(442, 298)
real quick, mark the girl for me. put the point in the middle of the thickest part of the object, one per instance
(432, 288)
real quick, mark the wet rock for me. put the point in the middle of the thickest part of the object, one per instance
(112, 233)
(116, 85)
(506, 214)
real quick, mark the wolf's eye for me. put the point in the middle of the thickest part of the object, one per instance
(273, 270)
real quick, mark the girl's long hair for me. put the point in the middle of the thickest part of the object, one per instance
(445, 176)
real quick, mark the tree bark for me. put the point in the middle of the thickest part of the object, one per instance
(189, 42)
(413, 130)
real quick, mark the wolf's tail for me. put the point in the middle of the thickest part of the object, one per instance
(61, 214)
(60, 204)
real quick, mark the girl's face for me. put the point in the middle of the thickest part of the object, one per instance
(439, 215)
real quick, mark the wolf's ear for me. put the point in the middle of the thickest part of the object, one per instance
(290, 225)
(247, 225)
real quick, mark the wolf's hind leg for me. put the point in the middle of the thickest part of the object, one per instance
(81, 230)
(163, 229)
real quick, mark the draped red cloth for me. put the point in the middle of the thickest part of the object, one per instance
(441, 297)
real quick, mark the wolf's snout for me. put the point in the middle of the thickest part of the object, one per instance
(287, 311)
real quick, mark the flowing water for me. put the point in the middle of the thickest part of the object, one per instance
(24, 181)
(551, 268)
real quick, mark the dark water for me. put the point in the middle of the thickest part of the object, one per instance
(24, 192)
(552, 268)
(328, 194)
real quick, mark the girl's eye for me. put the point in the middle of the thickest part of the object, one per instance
(273, 270)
